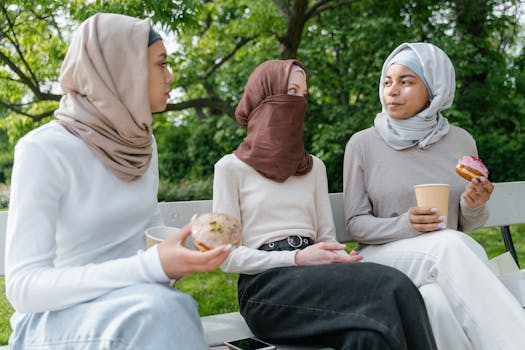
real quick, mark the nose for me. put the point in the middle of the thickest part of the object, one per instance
(392, 90)
(170, 78)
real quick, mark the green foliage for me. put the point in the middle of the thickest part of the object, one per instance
(171, 15)
(219, 43)
(6, 159)
(190, 146)
(185, 190)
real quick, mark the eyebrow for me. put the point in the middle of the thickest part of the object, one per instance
(402, 76)
(163, 55)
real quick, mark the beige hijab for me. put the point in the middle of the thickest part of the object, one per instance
(105, 78)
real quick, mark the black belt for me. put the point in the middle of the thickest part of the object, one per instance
(290, 243)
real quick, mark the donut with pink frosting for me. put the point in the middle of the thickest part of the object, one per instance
(470, 167)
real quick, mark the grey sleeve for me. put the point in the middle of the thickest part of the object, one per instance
(361, 223)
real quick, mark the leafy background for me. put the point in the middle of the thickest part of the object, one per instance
(216, 44)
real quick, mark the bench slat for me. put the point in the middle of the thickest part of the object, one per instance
(507, 204)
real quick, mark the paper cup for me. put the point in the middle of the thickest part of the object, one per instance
(433, 196)
(158, 234)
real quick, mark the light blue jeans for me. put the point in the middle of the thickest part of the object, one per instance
(144, 316)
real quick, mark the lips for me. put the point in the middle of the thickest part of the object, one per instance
(394, 105)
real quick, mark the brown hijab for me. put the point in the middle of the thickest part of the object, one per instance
(105, 78)
(274, 144)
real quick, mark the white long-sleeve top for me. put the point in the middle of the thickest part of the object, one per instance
(269, 211)
(74, 230)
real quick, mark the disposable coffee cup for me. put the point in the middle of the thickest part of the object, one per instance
(158, 234)
(433, 196)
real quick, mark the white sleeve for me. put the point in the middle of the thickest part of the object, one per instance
(243, 259)
(33, 283)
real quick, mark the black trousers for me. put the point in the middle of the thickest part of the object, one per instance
(345, 306)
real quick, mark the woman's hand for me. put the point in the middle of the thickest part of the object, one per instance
(426, 219)
(477, 192)
(325, 253)
(178, 261)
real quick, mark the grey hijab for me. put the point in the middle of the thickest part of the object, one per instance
(428, 126)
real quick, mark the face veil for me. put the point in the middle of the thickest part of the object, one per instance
(274, 143)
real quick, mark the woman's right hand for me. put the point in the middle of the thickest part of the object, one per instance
(425, 219)
(178, 261)
(325, 253)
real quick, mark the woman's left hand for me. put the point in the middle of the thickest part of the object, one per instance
(477, 192)
(325, 253)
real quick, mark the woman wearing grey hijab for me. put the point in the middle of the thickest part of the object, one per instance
(413, 143)
(83, 190)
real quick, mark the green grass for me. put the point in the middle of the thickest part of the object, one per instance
(6, 310)
(216, 292)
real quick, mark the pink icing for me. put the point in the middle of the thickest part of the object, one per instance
(475, 163)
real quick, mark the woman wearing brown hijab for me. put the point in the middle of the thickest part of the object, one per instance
(83, 190)
(297, 284)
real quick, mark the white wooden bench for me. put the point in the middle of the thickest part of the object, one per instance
(506, 206)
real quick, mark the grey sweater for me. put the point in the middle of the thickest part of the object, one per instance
(379, 185)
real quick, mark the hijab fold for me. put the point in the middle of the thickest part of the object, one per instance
(274, 142)
(428, 126)
(105, 78)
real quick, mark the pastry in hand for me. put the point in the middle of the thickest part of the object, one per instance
(470, 167)
(214, 229)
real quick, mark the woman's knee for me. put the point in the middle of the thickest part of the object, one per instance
(400, 285)
(162, 301)
(143, 305)
(158, 310)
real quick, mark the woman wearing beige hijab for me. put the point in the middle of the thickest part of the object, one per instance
(297, 284)
(84, 188)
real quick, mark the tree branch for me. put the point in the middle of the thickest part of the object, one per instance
(16, 44)
(35, 117)
(222, 60)
(42, 96)
(321, 6)
(296, 23)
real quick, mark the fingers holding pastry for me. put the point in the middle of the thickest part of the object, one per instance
(178, 261)
(478, 192)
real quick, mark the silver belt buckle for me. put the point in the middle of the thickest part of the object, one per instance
(295, 241)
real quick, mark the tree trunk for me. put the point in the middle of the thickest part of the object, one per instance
(292, 39)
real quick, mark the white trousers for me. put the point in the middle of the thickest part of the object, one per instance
(469, 308)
